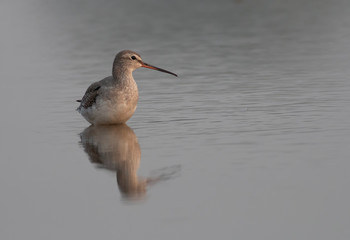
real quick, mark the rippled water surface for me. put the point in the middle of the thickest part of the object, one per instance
(251, 141)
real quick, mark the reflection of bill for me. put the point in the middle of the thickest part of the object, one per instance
(115, 147)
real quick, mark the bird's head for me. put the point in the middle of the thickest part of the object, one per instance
(131, 60)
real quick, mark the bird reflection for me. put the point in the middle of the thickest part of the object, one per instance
(116, 148)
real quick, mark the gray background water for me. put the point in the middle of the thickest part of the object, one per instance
(256, 126)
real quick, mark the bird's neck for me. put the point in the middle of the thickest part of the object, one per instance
(122, 76)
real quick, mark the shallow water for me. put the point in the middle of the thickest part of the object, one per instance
(251, 141)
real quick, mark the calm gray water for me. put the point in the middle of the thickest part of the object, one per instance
(250, 142)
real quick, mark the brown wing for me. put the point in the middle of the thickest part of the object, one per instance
(90, 95)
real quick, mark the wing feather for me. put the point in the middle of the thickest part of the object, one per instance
(90, 96)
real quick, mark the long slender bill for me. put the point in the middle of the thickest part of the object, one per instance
(146, 65)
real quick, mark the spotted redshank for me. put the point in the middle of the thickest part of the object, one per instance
(113, 100)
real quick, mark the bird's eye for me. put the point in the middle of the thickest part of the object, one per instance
(133, 57)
